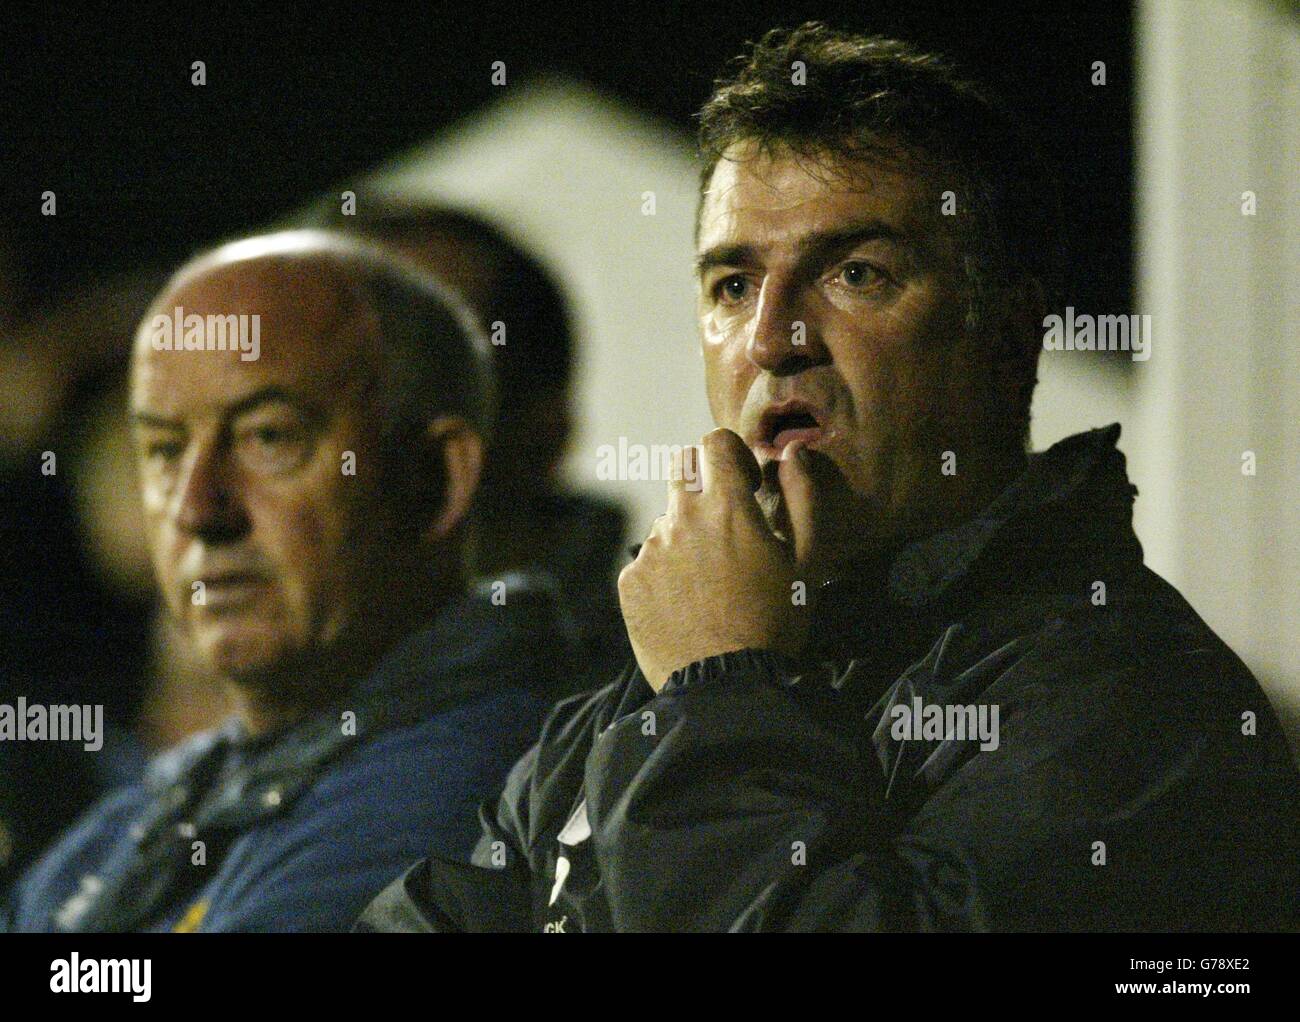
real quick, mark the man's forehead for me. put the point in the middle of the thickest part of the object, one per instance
(312, 333)
(754, 197)
(302, 297)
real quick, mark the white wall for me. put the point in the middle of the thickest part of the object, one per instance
(1218, 98)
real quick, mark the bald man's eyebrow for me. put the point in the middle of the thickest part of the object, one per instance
(142, 418)
(270, 394)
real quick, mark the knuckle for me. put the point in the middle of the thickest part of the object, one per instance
(715, 439)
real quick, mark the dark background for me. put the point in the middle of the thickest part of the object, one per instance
(97, 106)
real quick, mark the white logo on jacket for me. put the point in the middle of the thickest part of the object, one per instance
(576, 831)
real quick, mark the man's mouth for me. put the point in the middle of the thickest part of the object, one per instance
(783, 424)
(227, 590)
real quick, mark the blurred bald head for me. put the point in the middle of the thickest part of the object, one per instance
(420, 335)
(310, 417)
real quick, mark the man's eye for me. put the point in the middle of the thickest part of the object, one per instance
(858, 274)
(732, 289)
(271, 448)
(163, 450)
(271, 435)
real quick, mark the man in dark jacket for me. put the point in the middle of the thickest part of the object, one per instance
(892, 672)
(310, 417)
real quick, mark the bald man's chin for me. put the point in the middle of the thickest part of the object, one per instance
(249, 658)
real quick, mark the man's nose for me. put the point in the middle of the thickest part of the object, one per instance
(207, 501)
(783, 340)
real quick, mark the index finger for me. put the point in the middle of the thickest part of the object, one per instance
(727, 464)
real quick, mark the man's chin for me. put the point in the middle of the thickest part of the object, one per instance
(246, 658)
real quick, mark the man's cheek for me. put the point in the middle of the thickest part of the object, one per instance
(326, 554)
(164, 556)
(306, 529)
(727, 379)
(720, 399)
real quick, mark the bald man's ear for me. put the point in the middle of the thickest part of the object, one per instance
(458, 450)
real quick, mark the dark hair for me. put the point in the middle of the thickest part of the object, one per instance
(523, 294)
(866, 96)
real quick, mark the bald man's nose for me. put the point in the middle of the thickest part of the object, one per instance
(783, 341)
(206, 503)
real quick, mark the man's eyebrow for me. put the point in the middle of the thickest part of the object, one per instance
(724, 255)
(270, 394)
(141, 418)
(816, 244)
(850, 235)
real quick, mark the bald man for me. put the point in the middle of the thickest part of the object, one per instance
(310, 417)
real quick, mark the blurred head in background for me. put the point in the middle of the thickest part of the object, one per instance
(522, 308)
(306, 489)
(526, 316)
(527, 519)
(76, 595)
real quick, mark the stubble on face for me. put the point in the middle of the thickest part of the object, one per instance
(855, 259)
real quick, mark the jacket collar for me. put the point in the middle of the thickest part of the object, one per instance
(221, 783)
(511, 634)
(1080, 478)
(1069, 498)
(1068, 512)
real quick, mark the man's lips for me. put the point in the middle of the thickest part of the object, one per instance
(782, 424)
(230, 589)
(808, 434)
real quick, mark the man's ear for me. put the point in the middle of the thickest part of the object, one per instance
(1018, 323)
(458, 450)
(1022, 307)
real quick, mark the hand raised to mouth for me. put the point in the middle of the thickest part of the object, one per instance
(712, 577)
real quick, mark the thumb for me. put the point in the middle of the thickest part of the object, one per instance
(797, 489)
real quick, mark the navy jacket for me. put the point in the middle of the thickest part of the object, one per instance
(297, 831)
(1134, 776)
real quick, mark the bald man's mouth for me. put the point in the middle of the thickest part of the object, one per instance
(225, 583)
(232, 590)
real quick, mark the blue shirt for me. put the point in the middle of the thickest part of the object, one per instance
(321, 836)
